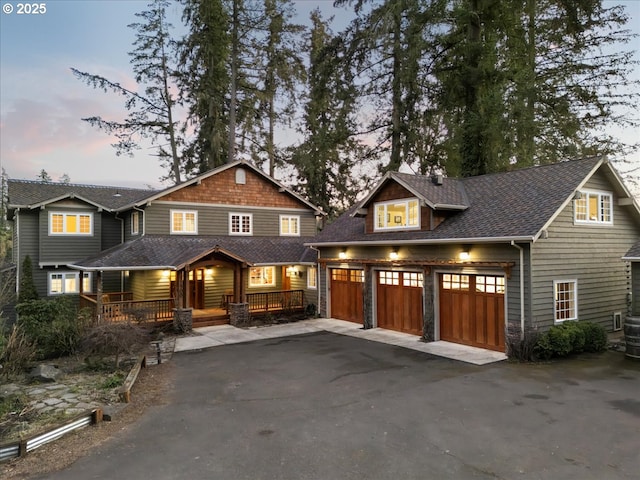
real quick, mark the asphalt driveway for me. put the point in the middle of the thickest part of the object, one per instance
(326, 406)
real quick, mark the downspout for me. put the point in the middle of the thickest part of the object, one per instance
(16, 253)
(121, 242)
(513, 244)
(317, 278)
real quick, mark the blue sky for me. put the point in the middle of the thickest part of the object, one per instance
(42, 103)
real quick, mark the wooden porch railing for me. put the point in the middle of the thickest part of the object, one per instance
(127, 310)
(274, 301)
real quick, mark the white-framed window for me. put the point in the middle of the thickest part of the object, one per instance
(262, 276)
(68, 282)
(184, 222)
(240, 223)
(397, 215)
(312, 277)
(594, 207)
(290, 225)
(63, 223)
(389, 278)
(489, 284)
(135, 223)
(565, 304)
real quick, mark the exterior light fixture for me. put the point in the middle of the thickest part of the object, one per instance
(394, 254)
(343, 254)
(464, 255)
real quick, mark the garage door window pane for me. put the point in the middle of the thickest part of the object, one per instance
(412, 279)
(389, 278)
(356, 276)
(489, 284)
(455, 282)
(340, 275)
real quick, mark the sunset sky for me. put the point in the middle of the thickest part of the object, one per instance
(42, 103)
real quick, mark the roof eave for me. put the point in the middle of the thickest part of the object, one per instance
(525, 239)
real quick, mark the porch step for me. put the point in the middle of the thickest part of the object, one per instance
(209, 322)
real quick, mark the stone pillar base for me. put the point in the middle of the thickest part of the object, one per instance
(239, 315)
(182, 320)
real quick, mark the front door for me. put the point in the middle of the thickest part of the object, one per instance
(196, 287)
(196, 290)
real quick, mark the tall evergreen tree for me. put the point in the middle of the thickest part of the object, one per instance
(282, 70)
(327, 160)
(526, 82)
(151, 112)
(204, 81)
(392, 46)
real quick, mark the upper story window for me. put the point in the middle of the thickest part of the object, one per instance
(240, 224)
(68, 282)
(397, 215)
(70, 223)
(184, 222)
(290, 225)
(135, 223)
(594, 207)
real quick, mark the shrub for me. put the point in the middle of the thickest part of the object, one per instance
(55, 326)
(16, 352)
(571, 337)
(595, 336)
(114, 339)
(521, 347)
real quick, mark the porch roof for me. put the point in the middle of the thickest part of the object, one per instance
(168, 252)
(633, 255)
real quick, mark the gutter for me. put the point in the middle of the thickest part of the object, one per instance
(423, 241)
(514, 244)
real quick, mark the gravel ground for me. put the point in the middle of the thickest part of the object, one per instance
(150, 389)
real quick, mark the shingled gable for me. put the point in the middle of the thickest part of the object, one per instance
(438, 193)
(172, 192)
(516, 205)
(30, 195)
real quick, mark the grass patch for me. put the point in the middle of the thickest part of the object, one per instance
(113, 381)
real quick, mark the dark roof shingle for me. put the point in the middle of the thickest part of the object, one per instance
(174, 252)
(514, 204)
(27, 194)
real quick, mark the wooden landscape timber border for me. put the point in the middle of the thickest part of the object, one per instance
(23, 446)
(125, 390)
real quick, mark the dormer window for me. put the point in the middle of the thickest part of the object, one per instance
(593, 207)
(397, 215)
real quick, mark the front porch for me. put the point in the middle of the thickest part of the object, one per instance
(121, 307)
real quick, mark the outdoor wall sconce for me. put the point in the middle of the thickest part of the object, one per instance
(343, 254)
(394, 254)
(165, 273)
(464, 255)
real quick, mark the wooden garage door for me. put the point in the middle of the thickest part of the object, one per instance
(346, 294)
(399, 301)
(472, 310)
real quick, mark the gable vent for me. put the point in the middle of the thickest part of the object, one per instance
(241, 176)
(438, 179)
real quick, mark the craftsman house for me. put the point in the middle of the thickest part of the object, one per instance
(232, 235)
(467, 260)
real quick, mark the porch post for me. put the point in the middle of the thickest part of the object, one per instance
(98, 295)
(179, 289)
(238, 293)
(187, 288)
